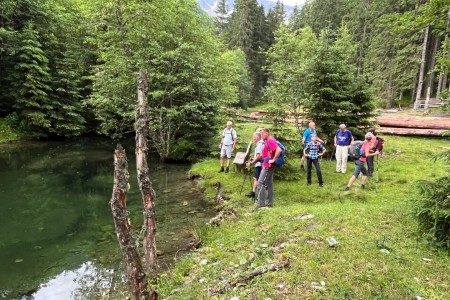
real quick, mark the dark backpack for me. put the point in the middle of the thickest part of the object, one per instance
(355, 150)
(280, 160)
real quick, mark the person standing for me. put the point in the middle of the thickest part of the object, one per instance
(227, 145)
(269, 155)
(373, 148)
(360, 163)
(313, 151)
(256, 160)
(342, 141)
(307, 136)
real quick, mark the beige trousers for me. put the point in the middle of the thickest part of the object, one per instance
(341, 158)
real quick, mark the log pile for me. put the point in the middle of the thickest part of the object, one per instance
(413, 125)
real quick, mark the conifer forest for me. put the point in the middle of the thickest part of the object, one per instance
(69, 67)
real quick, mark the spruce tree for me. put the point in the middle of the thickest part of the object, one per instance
(275, 17)
(248, 31)
(336, 95)
(30, 81)
(222, 15)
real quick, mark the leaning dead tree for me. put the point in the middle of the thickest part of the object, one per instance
(136, 274)
(145, 185)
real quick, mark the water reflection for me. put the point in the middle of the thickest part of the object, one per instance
(88, 279)
(56, 221)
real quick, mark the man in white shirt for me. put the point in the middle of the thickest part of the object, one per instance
(256, 160)
(227, 145)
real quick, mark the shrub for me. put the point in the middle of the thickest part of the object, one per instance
(433, 207)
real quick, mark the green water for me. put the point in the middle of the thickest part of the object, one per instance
(57, 238)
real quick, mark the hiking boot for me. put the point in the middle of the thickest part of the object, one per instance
(347, 188)
(321, 184)
(221, 170)
(251, 194)
(363, 186)
(302, 167)
(227, 170)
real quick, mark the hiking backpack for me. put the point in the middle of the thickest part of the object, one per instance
(355, 150)
(380, 143)
(231, 132)
(280, 160)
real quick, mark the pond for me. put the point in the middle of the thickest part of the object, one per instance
(57, 237)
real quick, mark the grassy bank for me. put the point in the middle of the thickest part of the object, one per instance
(379, 253)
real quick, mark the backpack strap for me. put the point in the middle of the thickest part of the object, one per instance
(231, 132)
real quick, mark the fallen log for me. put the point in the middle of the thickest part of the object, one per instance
(252, 275)
(411, 131)
(415, 122)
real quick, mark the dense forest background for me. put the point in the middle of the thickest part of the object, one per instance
(69, 67)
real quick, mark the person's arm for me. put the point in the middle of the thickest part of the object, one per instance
(277, 153)
(221, 141)
(323, 151)
(335, 140)
(321, 141)
(254, 160)
(305, 149)
(367, 152)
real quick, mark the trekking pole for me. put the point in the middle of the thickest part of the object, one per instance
(376, 179)
(245, 178)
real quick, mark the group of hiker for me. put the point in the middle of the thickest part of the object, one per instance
(268, 151)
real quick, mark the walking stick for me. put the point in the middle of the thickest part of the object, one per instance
(245, 178)
(376, 179)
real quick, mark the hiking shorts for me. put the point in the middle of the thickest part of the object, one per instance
(257, 172)
(360, 168)
(226, 150)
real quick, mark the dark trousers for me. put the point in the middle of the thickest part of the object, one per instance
(370, 167)
(316, 166)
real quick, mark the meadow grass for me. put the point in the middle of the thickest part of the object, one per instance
(364, 222)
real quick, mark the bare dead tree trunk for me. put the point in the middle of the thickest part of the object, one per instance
(431, 72)
(390, 93)
(136, 274)
(413, 93)
(427, 101)
(145, 185)
(443, 76)
(422, 68)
